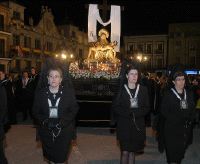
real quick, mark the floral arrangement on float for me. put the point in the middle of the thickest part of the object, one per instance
(85, 73)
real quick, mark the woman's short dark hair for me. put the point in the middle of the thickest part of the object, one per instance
(131, 67)
(177, 74)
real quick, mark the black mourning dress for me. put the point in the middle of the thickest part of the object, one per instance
(131, 132)
(177, 125)
(57, 148)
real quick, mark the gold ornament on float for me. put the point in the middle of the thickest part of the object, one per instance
(102, 54)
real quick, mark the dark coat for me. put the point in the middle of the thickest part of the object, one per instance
(24, 96)
(126, 129)
(67, 109)
(9, 86)
(177, 135)
(26, 93)
(3, 110)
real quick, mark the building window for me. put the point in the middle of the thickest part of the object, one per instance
(159, 48)
(28, 65)
(2, 48)
(177, 59)
(2, 67)
(171, 35)
(140, 47)
(149, 48)
(49, 46)
(18, 65)
(38, 66)
(178, 44)
(177, 34)
(1, 22)
(192, 47)
(37, 44)
(27, 42)
(192, 61)
(130, 49)
(160, 63)
(16, 40)
(16, 15)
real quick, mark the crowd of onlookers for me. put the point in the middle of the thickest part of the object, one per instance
(20, 93)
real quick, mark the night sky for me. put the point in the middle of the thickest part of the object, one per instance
(138, 17)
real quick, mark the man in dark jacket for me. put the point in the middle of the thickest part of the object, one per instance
(3, 109)
(8, 84)
(24, 95)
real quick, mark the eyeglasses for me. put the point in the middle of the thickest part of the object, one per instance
(180, 79)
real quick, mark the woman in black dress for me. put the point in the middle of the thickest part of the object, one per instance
(177, 109)
(54, 110)
(130, 107)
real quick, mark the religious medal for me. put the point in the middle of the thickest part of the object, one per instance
(134, 103)
(53, 112)
(183, 104)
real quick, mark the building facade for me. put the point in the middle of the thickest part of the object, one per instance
(24, 45)
(75, 41)
(151, 50)
(5, 38)
(30, 44)
(184, 44)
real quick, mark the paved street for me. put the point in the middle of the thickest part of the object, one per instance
(95, 146)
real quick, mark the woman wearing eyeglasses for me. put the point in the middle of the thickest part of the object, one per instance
(177, 109)
(54, 110)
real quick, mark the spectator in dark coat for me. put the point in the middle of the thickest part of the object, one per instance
(3, 111)
(7, 82)
(24, 95)
(177, 109)
(130, 107)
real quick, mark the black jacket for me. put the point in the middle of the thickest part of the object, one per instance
(177, 132)
(67, 108)
(126, 128)
(3, 109)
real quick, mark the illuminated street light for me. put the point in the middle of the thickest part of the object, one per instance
(145, 58)
(71, 56)
(139, 57)
(63, 56)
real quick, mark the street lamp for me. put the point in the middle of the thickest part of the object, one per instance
(145, 58)
(71, 56)
(141, 58)
(64, 55)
